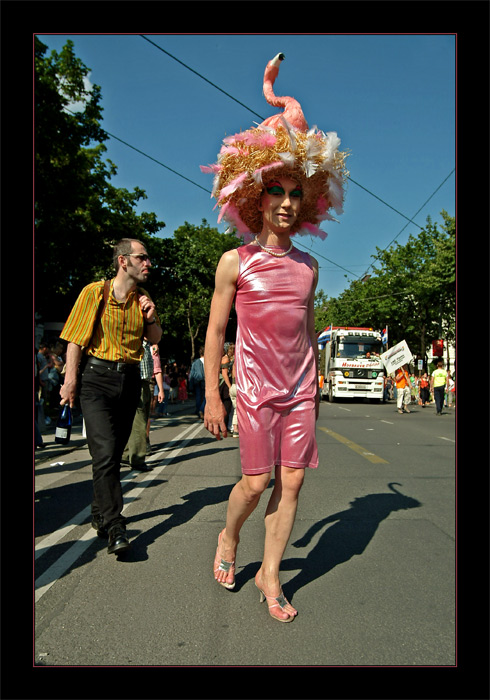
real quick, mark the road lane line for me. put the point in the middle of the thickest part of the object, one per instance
(44, 582)
(80, 518)
(370, 456)
(387, 421)
(448, 439)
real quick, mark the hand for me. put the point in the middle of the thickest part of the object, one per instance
(147, 307)
(68, 392)
(214, 417)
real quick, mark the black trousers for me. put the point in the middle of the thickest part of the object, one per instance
(439, 397)
(108, 400)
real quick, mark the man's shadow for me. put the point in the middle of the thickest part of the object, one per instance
(179, 513)
(350, 533)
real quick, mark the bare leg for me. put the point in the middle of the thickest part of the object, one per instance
(242, 502)
(279, 521)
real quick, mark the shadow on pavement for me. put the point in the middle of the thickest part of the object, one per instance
(350, 533)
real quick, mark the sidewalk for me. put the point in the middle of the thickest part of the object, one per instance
(53, 452)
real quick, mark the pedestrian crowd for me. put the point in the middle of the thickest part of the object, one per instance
(169, 384)
(435, 388)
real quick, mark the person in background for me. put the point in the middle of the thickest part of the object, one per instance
(137, 446)
(403, 389)
(449, 390)
(438, 384)
(158, 391)
(182, 395)
(38, 438)
(197, 382)
(424, 390)
(162, 408)
(225, 381)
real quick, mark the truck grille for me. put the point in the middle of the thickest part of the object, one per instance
(360, 373)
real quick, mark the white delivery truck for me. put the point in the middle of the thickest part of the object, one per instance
(349, 363)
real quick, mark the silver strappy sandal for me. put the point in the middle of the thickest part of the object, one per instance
(281, 602)
(222, 565)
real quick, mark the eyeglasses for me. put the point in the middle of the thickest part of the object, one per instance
(142, 257)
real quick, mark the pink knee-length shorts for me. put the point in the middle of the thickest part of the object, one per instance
(270, 437)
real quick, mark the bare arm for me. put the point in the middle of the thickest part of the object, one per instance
(68, 389)
(224, 293)
(159, 381)
(311, 328)
(153, 332)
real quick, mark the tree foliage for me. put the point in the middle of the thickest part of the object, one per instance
(192, 256)
(412, 291)
(79, 214)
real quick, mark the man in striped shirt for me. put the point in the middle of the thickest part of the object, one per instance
(110, 381)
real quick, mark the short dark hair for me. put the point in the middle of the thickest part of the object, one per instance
(124, 247)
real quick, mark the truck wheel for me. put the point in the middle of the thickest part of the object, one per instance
(331, 397)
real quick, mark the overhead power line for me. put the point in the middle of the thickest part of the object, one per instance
(157, 161)
(209, 192)
(175, 172)
(201, 76)
(413, 217)
(410, 220)
(385, 203)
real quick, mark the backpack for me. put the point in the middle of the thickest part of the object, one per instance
(197, 371)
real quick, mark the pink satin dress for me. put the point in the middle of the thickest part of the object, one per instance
(274, 361)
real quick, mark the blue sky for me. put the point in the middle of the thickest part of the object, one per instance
(390, 98)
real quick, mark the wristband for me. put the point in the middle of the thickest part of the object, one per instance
(150, 323)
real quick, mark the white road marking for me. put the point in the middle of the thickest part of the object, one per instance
(44, 582)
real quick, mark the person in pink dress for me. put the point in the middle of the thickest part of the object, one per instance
(271, 183)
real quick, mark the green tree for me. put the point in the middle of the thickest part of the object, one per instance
(79, 215)
(192, 256)
(412, 290)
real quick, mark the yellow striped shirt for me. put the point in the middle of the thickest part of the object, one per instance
(120, 332)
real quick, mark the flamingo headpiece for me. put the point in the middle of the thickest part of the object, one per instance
(282, 145)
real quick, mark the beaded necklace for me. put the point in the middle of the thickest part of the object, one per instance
(276, 255)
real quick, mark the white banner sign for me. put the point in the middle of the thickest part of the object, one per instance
(396, 356)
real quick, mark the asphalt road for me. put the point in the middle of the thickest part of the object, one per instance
(370, 565)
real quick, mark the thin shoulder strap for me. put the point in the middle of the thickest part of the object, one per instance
(102, 305)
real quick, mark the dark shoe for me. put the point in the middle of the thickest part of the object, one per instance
(97, 524)
(118, 540)
(142, 468)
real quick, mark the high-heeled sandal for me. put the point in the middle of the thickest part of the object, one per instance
(222, 565)
(281, 602)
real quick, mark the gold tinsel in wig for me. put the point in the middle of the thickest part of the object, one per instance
(282, 146)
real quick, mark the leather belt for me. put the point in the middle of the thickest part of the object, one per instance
(115, 366)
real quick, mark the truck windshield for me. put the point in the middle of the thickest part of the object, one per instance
(359, 348)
